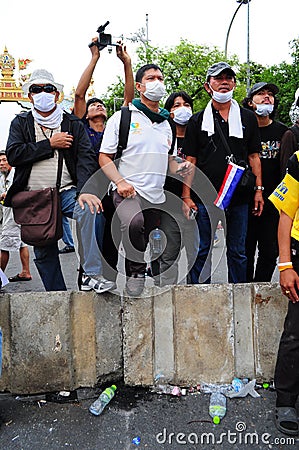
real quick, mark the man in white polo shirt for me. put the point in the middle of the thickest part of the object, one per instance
(139, 179)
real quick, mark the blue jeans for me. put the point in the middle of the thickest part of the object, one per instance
(236, 230)
(67, 232)
(47, 258)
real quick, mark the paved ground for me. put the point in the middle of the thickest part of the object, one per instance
(161, 421)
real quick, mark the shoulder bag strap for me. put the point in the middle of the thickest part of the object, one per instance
(224, 141)
(59, 169)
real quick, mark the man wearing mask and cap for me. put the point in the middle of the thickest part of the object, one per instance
(139, 179)
(209, 133)
(262, 230)
(35, 139)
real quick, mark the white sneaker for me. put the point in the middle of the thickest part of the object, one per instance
(99, 286)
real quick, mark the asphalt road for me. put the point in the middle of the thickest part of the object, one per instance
(160, 421)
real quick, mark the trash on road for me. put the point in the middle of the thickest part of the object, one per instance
(98, 406)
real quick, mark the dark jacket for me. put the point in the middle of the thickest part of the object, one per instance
(23, 151)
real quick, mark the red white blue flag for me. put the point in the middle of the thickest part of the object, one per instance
(231, 179)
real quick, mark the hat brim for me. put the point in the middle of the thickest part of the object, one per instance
(269, 86)
(26, 86)
(221, 70)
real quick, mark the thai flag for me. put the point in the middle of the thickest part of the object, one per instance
(231, 179)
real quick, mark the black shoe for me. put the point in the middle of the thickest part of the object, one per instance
(67, 249)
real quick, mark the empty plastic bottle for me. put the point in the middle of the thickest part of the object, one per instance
(98, 406)
(156, 241)
(217, 408)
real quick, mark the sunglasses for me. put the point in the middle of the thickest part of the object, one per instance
(35, 89)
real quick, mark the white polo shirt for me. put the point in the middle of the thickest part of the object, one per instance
(144, 162)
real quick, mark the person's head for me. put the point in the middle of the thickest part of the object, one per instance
(294, 110)
(150, 82)
(4, 166)
(220, 82)
(180, 106)
(95, 108)
(43, 91)
(262, 99)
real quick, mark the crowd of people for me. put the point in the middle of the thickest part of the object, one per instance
(167, 176)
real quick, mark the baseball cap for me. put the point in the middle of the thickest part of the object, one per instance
(262, 85)
(219, 67)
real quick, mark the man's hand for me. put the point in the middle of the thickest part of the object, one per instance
(185, 168)
(188, 204)
(289, 283)
(93, 202)
(121, 52)
(95, 52)
(125, 189)
(258, 204)
(61, 140)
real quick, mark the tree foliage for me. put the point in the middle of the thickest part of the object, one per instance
(184, 67)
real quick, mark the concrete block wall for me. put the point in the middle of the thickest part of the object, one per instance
(187, 334)
(59, 340)
(210, 333)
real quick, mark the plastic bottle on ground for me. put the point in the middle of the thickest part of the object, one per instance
(102, 401)
(217, 407)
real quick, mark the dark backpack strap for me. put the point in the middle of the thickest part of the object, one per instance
(295, 130)
(124, 127)
(173, 129)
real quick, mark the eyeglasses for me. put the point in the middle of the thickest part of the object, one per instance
(36, 89)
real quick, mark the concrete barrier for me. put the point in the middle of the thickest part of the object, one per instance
(188, 334)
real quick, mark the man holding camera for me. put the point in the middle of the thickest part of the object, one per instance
(93, 114)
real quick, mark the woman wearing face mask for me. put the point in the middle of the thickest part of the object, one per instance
(262, 231)
(179, 231)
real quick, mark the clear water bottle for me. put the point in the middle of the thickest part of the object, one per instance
(156, 242)
(217, 408)
(98, 406)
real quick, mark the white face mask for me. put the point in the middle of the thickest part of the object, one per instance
(43, 101)
(222, 97)
(182, 115)
(154, 90)
(263, 109)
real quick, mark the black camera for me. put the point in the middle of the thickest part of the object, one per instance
(104, 39)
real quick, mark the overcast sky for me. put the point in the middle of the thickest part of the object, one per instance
(55, 35)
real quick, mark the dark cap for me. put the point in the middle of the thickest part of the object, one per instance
(2, 152)
(219, 67)
(93, 100)
(262, 85)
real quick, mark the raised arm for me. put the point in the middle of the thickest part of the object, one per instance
(122, 54)
(84, 82)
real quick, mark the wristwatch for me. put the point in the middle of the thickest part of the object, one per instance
(259, 188)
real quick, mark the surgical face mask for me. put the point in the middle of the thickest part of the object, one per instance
(154, 90)
(181, 115)
(263, 109)
(222, 97)
(43, 102)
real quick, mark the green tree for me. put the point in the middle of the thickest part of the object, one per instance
(184, 67)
